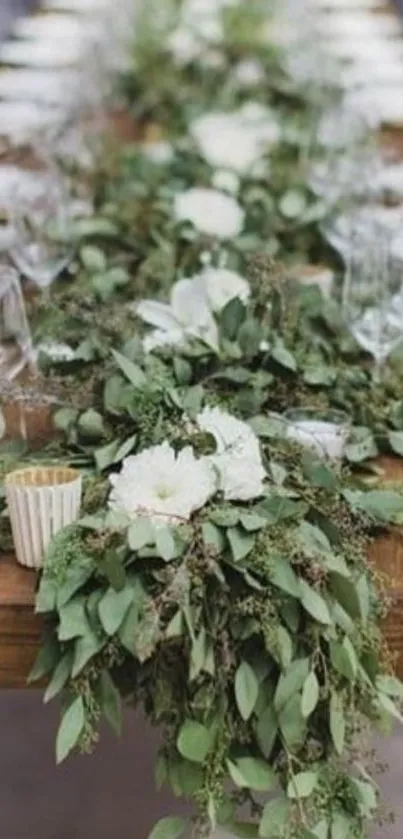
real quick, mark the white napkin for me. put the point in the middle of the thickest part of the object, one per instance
(50, 87)
(349, 4)
(19, 119)
(41, 53)
(377, 50)
(76, 5)
(54, 26)
(364, 73)
(359, 25)
(384, 100)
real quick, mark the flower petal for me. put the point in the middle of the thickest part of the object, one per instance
(157, 314)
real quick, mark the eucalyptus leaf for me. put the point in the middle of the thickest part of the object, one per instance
(60, 677)
(165, 543)
(85, 649)
(302, 785)
(310, 695)
(274, 818)
(252, 773)
(231, 318)
(267, 730)
(70, 729)
(132, 371)
(396, 441)
(140, 534)
(168, 828)
(194, 741)
(291, 681)
(91, 424)
(111, 702)
(246, 690)
(314, 603)
(292, 724)
(113, 608)
(241, 543)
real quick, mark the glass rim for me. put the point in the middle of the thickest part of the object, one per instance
(332, 416)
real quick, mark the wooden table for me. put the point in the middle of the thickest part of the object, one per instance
(20, 628)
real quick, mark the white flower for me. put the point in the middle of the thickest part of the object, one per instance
(222, 285)
(262, 121)
(235, 140)
(184, 45)
(204, 17)
(249, 73)
(224, 142)
(226, 181)
(187, 315)
(212, 213)
(162, 485)
(56, 351)
(159, 153)
(238, 459)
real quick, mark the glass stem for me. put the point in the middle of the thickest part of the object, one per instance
(377, 371)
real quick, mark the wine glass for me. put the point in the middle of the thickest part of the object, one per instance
(372, 294)
(344, 161)
(325, 432)
(16, 351)
(41, 246)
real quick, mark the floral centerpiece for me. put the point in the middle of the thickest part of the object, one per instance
(219, 579)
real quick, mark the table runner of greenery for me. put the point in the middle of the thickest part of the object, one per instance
(218, 577)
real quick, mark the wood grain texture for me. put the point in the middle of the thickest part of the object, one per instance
(386, 554)
(20, 628)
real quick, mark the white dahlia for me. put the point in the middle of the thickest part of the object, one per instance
(162, 485)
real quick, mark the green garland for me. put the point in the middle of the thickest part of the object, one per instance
(249, 633)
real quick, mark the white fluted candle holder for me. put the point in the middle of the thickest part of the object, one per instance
(41, 501)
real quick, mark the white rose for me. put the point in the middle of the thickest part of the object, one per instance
(224, 142)
(211, 212)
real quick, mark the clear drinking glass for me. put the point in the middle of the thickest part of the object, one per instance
(372, 294)
(326, 432)
(343, 160)
(41, 245)
(15, 337)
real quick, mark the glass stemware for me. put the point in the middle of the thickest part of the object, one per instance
(15, 338)
(41, 244)
(325, 432)
(343, 161)
(372, 294)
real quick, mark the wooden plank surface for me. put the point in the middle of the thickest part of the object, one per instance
(20, 628)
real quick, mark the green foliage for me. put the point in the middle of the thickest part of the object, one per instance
(250, 634)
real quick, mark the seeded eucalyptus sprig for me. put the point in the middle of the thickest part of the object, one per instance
(249, 630)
